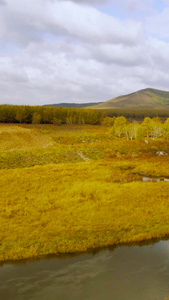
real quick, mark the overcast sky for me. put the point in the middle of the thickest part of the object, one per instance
(54, 51)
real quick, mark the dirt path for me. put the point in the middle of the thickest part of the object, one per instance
(82, 156)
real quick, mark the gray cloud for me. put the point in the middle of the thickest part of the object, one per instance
(3, 2)
(48, 54)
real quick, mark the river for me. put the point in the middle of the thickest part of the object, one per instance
(125, 273)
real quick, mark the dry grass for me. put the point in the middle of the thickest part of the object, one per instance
(30, 145)
(15, 137)
(68, 207)
(76, 207)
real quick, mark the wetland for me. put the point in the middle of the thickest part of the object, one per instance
(74, 188)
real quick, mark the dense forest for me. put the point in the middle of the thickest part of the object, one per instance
(49, 115)
(65, 115)
(139, 114)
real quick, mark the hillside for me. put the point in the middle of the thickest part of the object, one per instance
(74, 105)
(14, 137)
(143, 99)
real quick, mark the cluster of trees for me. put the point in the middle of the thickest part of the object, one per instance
(49, 115)
(149, 128)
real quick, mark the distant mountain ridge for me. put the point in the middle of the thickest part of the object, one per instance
(74, 105)
(143, 99)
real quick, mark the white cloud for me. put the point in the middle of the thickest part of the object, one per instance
(130, 5)
(56, 51)
(27, 21)
(91, 2)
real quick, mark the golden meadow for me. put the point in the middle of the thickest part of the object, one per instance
(73, 188)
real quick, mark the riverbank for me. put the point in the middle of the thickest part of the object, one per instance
(71, 189)
(85, 276)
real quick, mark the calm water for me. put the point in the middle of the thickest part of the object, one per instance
(126, 273)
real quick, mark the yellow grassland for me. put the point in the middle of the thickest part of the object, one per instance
(15, 137)
(73, 207)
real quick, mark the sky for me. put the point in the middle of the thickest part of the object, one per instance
(54, 51)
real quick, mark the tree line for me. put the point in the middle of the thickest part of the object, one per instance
(49, 115)
(139, 114)
(150, 127)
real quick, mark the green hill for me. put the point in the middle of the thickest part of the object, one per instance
(144, 99)
(74, 105)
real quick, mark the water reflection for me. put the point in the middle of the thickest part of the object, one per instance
(140, 273)
(154, 179)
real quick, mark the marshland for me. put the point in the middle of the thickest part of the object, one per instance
(74, 189)
(70, 188)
